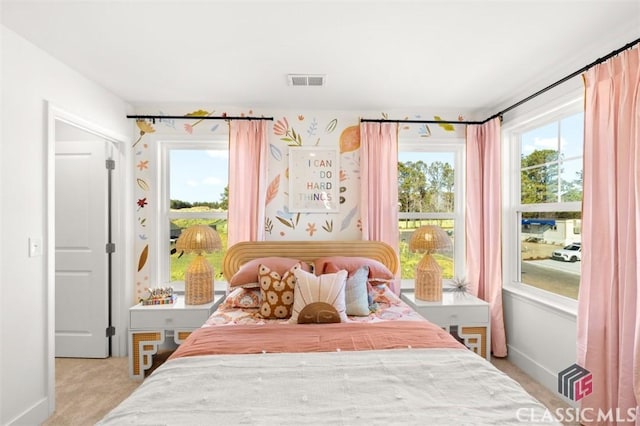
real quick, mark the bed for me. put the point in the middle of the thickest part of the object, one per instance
(321, 358)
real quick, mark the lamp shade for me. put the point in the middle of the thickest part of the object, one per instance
(428, 239)
(198, 239)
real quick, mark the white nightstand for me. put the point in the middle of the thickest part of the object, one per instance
(458, 311)
(150, 324)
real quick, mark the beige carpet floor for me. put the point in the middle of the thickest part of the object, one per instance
(87, 389)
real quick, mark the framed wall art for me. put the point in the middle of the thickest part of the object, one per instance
(313, 180)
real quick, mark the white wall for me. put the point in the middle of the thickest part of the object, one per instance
(541, 339)
(30, 78)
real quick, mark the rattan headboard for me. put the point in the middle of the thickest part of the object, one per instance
(241, 253)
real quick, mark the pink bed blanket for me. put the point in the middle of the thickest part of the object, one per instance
(295, 338)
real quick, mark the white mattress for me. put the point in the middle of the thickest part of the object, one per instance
(407, 386)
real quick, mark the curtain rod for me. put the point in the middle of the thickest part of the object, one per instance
(153, 118)
(568, 77)
(517, 104)
(372, 120)
(384, 120)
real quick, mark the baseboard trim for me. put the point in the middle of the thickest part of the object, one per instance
(34, 415)
(538, 372)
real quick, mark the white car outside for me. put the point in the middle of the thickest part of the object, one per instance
(569, 253)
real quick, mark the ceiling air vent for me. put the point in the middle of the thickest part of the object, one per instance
(313, 80)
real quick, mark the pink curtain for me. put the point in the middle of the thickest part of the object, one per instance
(609, 301)
(483, 222)
(379, 185)
(247, 180)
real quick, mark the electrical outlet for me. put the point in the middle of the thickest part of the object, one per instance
(35, 246)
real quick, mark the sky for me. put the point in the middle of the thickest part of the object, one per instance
(198, 175)
(201, 175)
(444, 157)
(570, 135)
(546, 137)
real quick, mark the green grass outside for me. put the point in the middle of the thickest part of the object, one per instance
(408, 260)
(180, 263)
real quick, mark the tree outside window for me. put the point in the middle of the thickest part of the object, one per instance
(427, 183)
(195, 192)
(549, 212)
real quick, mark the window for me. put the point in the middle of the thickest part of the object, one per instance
(430, 192)
(547, 194)
(194, 191)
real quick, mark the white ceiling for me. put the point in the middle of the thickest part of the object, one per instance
(470, 56)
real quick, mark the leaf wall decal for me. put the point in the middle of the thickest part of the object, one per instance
(331, 126)
(198, 113)
(143, 257)
(268, 225)
(285, 222)
(273, 189)
(350, 139)
(424, 131)
(275, 152)
(142, 184)
(446, 126)
(347, 219)
(313, 127)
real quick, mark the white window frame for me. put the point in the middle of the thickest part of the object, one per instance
(163, 191)
(457, 147)
(512, 207)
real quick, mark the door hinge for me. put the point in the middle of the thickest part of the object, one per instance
(110, 164)
(110, 248)
(111, 331)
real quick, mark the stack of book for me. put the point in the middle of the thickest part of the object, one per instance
(160, 296)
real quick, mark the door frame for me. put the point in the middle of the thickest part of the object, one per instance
(121, 272)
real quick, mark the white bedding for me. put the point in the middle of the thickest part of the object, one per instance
(405, 386)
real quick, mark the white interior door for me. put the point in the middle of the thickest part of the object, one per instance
(82, 263)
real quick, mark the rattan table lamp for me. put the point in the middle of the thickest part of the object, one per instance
(427, 239)
(198, 278)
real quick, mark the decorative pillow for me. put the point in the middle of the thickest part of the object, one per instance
(244, 298)
(247, 275)
(356, 293)
(318, 313)
(327, 288)
(377, 270)
(276, 292)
